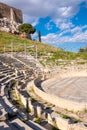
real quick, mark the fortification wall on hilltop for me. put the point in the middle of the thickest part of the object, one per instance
(5, 11)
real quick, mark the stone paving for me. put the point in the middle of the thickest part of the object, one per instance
(71, 88)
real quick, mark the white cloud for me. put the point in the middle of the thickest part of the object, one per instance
(77, 35)
(65, 25)
(49, 25)
(32, 20)
(76, 30)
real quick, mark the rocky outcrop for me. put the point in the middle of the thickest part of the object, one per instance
(8, 26)
(5, 11)
(10, 18)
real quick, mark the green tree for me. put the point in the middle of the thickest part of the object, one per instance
(26, 28)
(83, 49)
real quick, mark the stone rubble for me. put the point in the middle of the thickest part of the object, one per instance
(8, 26)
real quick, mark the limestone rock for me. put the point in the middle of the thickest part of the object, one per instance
(10, 18)
(5, 11)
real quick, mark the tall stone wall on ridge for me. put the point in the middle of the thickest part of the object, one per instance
(5, 12)
(10, 18)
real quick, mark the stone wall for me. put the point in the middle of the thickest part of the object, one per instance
(60, 102)
(10, 18)
(58, 121)
(5, 11)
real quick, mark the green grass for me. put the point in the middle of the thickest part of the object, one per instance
(7, 39)
(70, 118)
(54, 128)
(33, 100)
(38, 120)
(85, 110)
(51, 54)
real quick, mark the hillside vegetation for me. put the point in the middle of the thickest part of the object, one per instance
(7, 38)
(45, 52)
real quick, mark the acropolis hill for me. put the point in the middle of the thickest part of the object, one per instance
(10, 18)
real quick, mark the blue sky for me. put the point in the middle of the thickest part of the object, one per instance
(62, 23)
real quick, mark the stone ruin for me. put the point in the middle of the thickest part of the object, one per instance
(10, 18)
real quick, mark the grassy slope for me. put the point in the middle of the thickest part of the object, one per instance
(43, 49)
(7, 38)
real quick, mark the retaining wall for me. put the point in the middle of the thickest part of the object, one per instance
(60, 122)
(60, 102)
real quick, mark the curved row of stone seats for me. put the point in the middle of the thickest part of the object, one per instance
(36, 108)
(5, 66)
(17, 124)
(7, 78)
(23, 59)
(5, 69)
(21, 68)
(12, 65)
(3, 112)
(30, 61)
(8, 105)
(4, 126)
(9, 108)
(30, 124)
(3, 81)
(10, 61)
(35, 126)
(2, 76)
(16, 62)
(19, 73)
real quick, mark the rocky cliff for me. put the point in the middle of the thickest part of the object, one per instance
(10, 18)
(5, 11)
